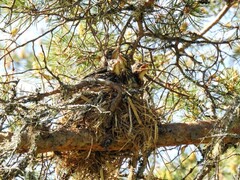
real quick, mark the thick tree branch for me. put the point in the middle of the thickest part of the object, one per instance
(63, 140)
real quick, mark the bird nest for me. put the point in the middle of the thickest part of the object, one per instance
(113, 113)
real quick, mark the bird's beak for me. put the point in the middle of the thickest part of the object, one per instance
(142, 70)
(144, 67)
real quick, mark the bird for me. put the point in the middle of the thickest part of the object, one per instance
(110, 53)
(122, 64)
(113, 66)
(116, 69)
(117, 64)
(108, 61)
(139, 70)
(111, 72)
(129, 76)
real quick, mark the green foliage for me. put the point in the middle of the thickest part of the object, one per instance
(192, 50)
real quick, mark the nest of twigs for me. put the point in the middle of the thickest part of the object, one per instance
(114, 113)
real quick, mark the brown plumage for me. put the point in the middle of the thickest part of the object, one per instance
(116, 70)
(113, 67)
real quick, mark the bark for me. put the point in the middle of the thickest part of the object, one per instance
(62, 140)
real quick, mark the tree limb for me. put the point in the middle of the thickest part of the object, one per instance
(65, 140)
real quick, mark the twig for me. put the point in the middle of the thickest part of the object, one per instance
(210, 25)
(32, 40)
(166, 87)
(134, 111)
(130, 119)
(217, 19)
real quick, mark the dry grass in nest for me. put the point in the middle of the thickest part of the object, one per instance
(112, 113)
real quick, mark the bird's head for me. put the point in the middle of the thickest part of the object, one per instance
(140, 69)
(115, 60)
(109, 53)
(112, 53)
(114, 65)
(118, 65)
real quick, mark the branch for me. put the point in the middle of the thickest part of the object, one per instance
(65, 140)
(217, 19)
(209, 26)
